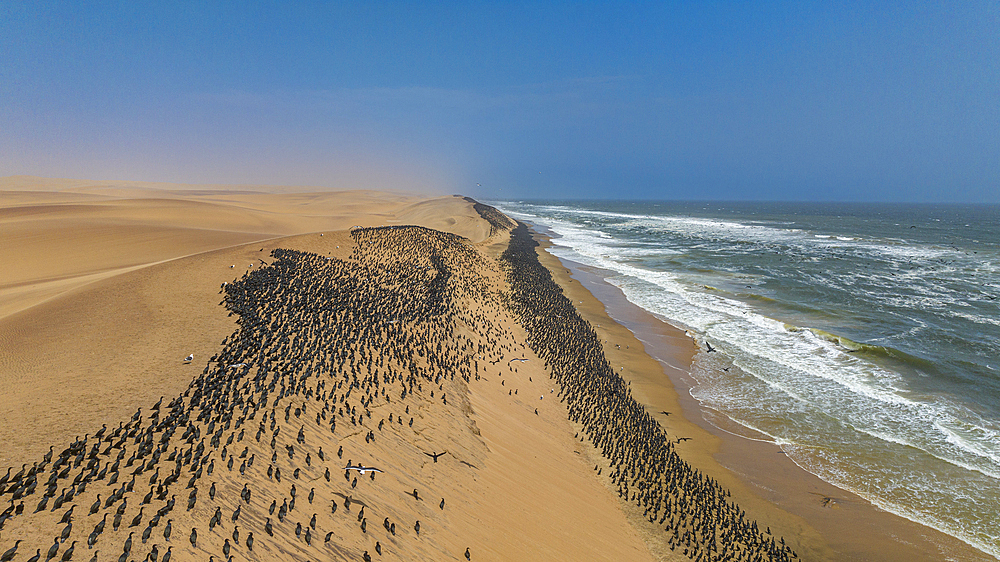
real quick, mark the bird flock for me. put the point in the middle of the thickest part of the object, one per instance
(696, 512)
(339, 366)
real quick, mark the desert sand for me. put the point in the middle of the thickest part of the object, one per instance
(334, 329)
(109, 290)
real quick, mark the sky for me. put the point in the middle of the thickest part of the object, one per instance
(804, 101)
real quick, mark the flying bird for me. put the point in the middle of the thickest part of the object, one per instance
(436, 455)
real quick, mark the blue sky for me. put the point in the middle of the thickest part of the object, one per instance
(668, 100)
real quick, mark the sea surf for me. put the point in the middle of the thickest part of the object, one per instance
(862, 339)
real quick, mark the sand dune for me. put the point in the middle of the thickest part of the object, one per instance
(62, 234)
(110, 294)
(112, 285)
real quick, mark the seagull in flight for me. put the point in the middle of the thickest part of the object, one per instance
(362, 469)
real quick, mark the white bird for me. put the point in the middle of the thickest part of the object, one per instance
(362, 469)
(189, 357)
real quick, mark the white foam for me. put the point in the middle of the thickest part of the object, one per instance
(802, 388)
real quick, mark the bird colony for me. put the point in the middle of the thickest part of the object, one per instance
(284, 447)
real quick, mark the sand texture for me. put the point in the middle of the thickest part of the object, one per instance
(440, 352)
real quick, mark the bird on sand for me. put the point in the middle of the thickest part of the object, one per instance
(9, 555)
(362, 469)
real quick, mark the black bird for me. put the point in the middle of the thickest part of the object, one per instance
(416, 527)
(436, 455)
(68, 555)
(167, 530)
(96, 505)
(9, 555)
(128, 544)
(710, 348)
(37, 556)
(441, 505)
(166, 555)
(65, 532)
(467, 555)
(194, 537)
(53, 550)
(250, 541)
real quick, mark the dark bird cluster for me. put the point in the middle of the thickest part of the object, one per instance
(333, 353)
(328, 353)
(692, 508)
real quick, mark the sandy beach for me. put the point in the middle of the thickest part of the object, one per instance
(837, 524)
(334, 331)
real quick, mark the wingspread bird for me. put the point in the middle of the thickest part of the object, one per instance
(436, 455)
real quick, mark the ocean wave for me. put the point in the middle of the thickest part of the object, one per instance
(809, 385)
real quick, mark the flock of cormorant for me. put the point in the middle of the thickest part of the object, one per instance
(646, 469)
(329, 352)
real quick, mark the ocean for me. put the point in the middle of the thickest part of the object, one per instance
(864, 339)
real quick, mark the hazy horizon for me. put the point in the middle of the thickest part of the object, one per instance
(668, 101)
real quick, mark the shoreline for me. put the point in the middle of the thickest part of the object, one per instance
(846, 526)
(519, 483)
